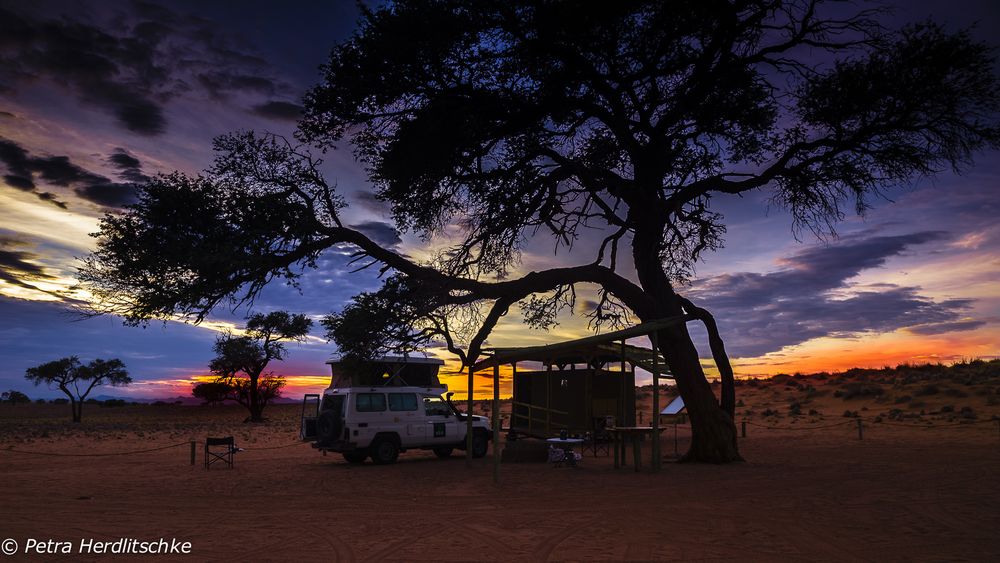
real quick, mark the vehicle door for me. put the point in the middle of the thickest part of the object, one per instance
(442, 426)
(406, 418)
(370, 416)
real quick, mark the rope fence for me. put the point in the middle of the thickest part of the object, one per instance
(192, 443)
(861, 424)
(59, 454)
(870, 423)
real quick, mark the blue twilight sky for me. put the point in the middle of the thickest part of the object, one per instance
(94, 95)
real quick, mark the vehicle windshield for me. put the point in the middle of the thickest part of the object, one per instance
(436, 406)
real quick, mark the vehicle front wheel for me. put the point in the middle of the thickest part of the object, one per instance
(357, 456)
(384, 451)
(443, 451)
(480, 443)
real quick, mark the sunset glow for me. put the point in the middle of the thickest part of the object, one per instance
(913, 281)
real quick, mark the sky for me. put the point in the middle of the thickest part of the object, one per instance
(95, 96)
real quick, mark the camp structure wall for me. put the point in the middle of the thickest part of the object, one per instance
(546, 402)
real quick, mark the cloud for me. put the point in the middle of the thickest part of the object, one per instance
(368, 201)
(381, 232)
(17, 265)
(932, 329)
(130, 66)
(107, 195)
(811, 297)
(26, 170)
(129, 167)
(21, 169)
(282, 111)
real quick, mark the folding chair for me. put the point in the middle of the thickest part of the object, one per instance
(599, 440)
(219, 450)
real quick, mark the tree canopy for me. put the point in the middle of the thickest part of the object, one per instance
(240, 360)
(77, 380)
(506, 121)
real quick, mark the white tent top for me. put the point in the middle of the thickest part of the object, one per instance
(675, 406)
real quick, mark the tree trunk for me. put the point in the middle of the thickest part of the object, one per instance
(713, 431)
(256, 409)
(77, 407)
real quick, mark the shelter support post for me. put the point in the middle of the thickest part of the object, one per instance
(621, 419)
(468, 420)
(496, 424)
(655, 445)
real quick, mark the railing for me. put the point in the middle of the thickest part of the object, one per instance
(531, 417)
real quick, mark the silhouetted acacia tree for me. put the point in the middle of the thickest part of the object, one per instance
(240, 361)
(521, 119)
(213, 392)
(77, 380)
(14, 397)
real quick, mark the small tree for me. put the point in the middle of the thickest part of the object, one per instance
(77, 380)
(14, 397)
(240, 361)
(213, 392)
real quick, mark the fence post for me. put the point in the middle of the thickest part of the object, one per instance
(744, 428)
(192, 451)
(861, 435)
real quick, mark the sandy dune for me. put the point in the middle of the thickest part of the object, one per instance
(911, 490)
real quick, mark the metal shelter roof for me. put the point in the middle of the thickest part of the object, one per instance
(601, 348)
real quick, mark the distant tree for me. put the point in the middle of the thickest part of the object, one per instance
(77, 380)
(498, 121)
(240, 361)
(14, 397)
(213, 392)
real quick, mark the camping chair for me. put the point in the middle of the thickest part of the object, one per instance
(219, 449)
(599, 438)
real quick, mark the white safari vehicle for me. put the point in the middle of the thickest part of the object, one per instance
(380, 408)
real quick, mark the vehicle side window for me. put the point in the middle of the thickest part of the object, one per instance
(402, 402)
(370, 402)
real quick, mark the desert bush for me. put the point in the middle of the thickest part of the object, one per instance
(795, 409)
(813, 412)
(967, 413)
(770, 412)
(850, 414)
(852, 390)
(952, 392)
(948, 408)
(903, 399)
(929, 389)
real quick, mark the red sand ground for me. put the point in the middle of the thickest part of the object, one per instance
(903, 493)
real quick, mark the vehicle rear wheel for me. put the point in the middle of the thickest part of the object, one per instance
(443, 451)
(384, 451)
(480, 443)
(357, 456)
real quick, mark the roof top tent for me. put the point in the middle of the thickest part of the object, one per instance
(578, 390)
(387, 371)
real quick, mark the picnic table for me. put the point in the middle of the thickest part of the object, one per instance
(622, 435)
